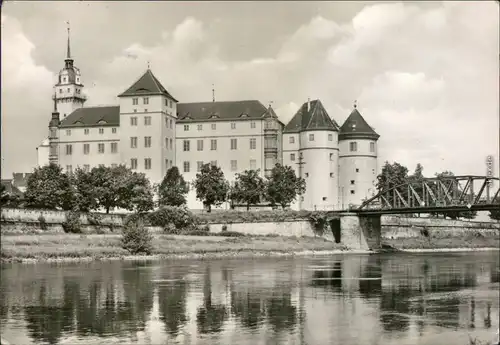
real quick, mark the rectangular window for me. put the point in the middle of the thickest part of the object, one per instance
(171, 144)
(199, 164)
(233, 125)
(147, 163)
(213, 163)
(114, 147)
(330, 137)
(171, 123)
(171, 163)
(372, 147)
(352, 181)
(352, 191)
(86, 149)
(213, 144)
(147, 141)
(166, 102)
(307, 174)
(135, 101)
(234, 144)
(133, 142)
(199, 145)
(101, 130)
(234, 165)
(68, 132)
(86, 167)
(291, 140)
(147, 120)
(69, 149)
(200, 127)
(186, 167)
(69, 169)
(86, 131)
(186, 145)
(331, 156)
(214, 126)
(331, 174)
(253, 164)
(166, 122)
(311, 137)
(292, 156)
(133, 121)
(100, 148)
(353, 146)
(133, 163)
(253, 143)
(166, 143)
(145, 100)
(252, 124)
(171, 104)
(113, 130)
(186, 128)
(145, 110)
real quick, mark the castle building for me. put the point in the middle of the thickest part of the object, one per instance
(150, 131)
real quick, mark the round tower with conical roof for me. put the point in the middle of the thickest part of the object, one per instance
(357, 160)
(310, 147)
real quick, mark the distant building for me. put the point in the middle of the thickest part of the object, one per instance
(150, 131)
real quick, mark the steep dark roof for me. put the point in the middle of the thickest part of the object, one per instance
(355, 127)
(232, 110)
(187, 112)
(315, 119)
(93, 116)
(147, 85)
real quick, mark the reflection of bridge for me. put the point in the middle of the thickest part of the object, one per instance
(443, 194)
(360, 227)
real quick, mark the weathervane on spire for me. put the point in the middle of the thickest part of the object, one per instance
(270, 103)
(213, 92)
(149, 65)
(355, 103)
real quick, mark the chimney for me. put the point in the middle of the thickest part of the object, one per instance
(308, 104)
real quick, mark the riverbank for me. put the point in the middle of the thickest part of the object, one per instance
(74, 247)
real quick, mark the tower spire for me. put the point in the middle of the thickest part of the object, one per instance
(68, 52)
(55, 103)
(213, 93)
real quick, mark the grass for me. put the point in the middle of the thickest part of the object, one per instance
(475, 240)
(18, 247)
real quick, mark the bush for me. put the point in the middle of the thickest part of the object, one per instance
(252, 217)
(136, 238)
(72, 223)
(136, 217)
(224, 228)
(43, 222)
(319, 222)
(232, 234)
(173, 219)
(94, 219)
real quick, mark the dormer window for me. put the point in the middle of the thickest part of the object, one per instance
(233, 125)
(135, 101)
(145, 100)
(244, 115)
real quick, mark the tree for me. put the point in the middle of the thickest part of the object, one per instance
(173, 189)
(122, 188)
(211, 186)
(392, 175)
(248, 188)
(84, 191)
(48, 187)
(283, 186)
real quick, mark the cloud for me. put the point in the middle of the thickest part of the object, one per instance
(425, 77)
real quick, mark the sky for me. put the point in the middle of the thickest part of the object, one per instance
(425, 75)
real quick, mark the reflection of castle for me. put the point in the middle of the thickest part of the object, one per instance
(361, 299)
(150, 131)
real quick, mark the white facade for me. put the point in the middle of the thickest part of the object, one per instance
(358, 170)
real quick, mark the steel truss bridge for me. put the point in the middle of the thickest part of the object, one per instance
(439, 194)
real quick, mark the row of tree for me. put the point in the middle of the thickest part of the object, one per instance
(107, 188)
(396, 174)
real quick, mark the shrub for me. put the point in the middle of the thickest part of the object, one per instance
(319, 221)
(173, 219)
(136, 238)
(224, 228)
(94, 218)
(72, 223)
(134, 218)
(43, 222)
(232, 234)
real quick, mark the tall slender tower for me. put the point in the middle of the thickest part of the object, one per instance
(357, 160)
(69, 87)
(54, 135)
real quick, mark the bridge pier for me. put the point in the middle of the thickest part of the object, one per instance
(361, 232)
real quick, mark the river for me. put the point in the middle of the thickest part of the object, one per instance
(425, 299)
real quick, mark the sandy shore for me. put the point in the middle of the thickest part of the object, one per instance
(74, 247)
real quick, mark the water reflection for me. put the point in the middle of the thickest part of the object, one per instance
(372, 299)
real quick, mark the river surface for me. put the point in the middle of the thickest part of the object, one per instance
(425, 299)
